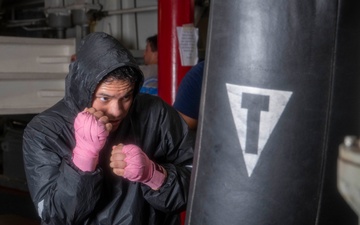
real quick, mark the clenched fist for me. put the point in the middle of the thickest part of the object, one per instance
(130, 162)
(91, 131)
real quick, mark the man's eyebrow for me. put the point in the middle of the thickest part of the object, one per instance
(130, 91)
(107, 95)
(103, 94)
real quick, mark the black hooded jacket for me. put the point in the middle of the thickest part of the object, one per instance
(63, 194)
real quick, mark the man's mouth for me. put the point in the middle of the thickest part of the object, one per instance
(115, 122)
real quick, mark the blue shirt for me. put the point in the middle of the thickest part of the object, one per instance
(188, 96)
(150, 85)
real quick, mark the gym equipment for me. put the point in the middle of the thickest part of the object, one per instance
(280, 91)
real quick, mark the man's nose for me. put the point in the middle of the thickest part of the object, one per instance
(115, 110)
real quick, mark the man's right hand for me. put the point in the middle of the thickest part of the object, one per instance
(91, 130)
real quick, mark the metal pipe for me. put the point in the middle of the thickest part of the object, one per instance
(21, 23)
(37, 28)
(61, 33)
(18, 25)
(136, 27)
(131, 10)
(27, 20)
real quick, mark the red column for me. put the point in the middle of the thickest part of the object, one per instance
(171, 14)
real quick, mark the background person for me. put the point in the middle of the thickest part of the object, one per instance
(187, 100)
(151, 51)
(150, 69)
(105, 154)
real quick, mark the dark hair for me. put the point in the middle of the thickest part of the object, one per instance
(152, 40)
(126, 73)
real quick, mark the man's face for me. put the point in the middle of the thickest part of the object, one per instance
(150, 57)
(114, 99)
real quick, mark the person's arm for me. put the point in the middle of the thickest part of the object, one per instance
(91, 131)
(187, 101)
(131, 162)
(191, 122)
(177, 142)
(62, 193)
(160, 158)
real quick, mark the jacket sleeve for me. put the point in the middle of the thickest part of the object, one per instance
(61, 193)
(176, 142)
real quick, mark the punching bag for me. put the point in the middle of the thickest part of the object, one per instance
(280, 92)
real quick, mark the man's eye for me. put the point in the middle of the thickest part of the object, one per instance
(127, 97)
(104, 99)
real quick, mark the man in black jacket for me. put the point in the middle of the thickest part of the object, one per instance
(105, 154)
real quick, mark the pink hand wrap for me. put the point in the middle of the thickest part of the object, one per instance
(140, 168)
(90, 136)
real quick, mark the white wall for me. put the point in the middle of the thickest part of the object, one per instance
(131, 29)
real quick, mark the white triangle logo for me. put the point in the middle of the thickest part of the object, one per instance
(256, 111)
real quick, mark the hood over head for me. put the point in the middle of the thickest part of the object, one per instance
(98, 55)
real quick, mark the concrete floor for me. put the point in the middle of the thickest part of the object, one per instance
(16, 208)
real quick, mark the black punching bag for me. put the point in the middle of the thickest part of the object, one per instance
(280, 91)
